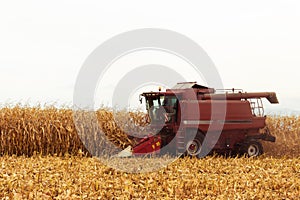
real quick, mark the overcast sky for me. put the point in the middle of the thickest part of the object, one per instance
(254, 45)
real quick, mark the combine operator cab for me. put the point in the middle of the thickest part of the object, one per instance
(161, 108)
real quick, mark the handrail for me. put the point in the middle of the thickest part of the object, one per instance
(232, 90)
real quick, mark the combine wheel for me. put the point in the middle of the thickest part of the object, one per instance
(193, 146)
(252, 148)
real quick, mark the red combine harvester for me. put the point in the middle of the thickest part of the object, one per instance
(182, 130)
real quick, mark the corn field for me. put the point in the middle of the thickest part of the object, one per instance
(286, 129)
(42, 157)
(51, 131)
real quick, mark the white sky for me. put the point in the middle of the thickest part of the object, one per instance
(255, 45)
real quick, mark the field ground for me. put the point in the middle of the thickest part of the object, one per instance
(209, 178)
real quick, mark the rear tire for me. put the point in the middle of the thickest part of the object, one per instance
(252, 148)
(193, 146)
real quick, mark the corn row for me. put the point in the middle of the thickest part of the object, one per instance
(28, 131)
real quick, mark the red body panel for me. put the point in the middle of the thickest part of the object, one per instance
(237, 115)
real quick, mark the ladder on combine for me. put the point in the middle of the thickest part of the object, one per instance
(180, 142)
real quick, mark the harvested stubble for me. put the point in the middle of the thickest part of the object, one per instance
(30, 130)
(53, 177)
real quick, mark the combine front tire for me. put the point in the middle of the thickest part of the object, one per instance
(252, 148)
